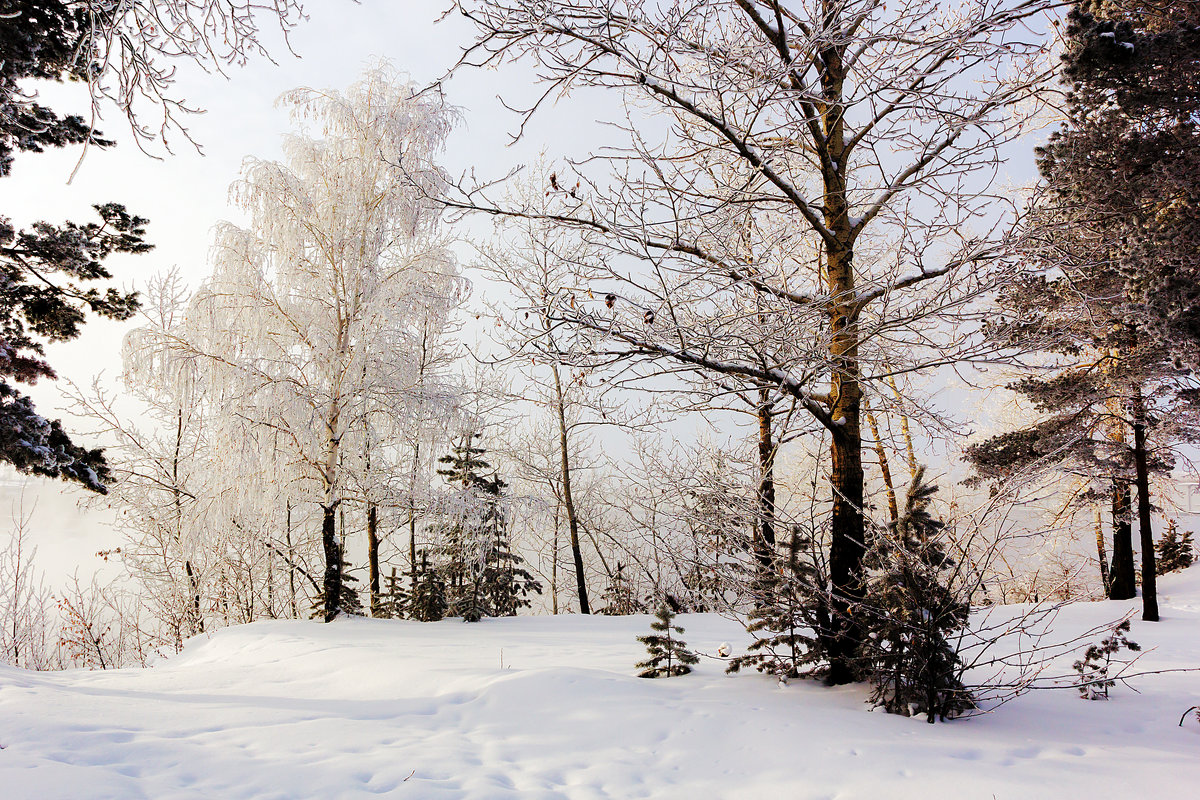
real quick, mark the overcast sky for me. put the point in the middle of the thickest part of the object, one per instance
(185, 193)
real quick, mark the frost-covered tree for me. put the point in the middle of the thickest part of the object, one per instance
(482, 573)
(314, 311)
(158, 459)
(127, 53)
(26, 634)
(1175, 550)
(849, 131)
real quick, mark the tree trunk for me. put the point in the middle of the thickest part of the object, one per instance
(1102, 556)
(846, 532)
(568, 500)
(1121, 572)
(291, 563)
(1142, 471)
(884, 467)
(332, 586)
(554, 563)
(373, 556)
(764, 544)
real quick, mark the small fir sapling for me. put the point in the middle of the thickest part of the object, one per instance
(505, 584)
(1094, 679)
(787, 611)
(428, 603)
(911, 612)
(619, 597)
(1175, 550)
(669, 655)
(394, 600)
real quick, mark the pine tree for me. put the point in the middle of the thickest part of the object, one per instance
(912, 610)
(619, 596)
(505, 584)
(428, 603)
(484, 577)
(787, 617)
(669, 655)
(44, 269)
(1175, 551)
(1112, 281)
(394, 599)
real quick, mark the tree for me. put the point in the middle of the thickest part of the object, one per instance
(1111, 288)
(1175, 551)
(124, 52)
(42, 299)
(45, 268)
(914, 610)
(620, 597)
(311, 317)
(483, 576)
(826, 122)
(787, 624)
(669, 655)
(157, 460)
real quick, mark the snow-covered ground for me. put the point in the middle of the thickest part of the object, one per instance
(549, 707)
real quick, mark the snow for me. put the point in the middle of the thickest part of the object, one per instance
(548, 707)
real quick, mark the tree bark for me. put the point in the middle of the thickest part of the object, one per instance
(568, 499)
(1102, 556)
(332, 585)
(1121, 572)
(884, 467)
(764, 543)
(373, 556)
(1142, 473)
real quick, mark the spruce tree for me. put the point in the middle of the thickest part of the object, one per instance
(483, 575)
(619, 596)
(911, 611)
(669, 655)
(786, 619)
(394, 599)
(1175, 551)
(428, 601)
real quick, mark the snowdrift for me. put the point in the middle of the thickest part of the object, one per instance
(549, 707)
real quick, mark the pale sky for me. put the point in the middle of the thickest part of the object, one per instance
(184, 194)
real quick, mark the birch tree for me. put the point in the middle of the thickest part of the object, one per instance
(313, 312)
(863, 141)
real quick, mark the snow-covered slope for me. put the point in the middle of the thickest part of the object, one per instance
(549, 707)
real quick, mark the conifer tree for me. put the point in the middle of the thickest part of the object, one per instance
(45, 268)
(1175, 551)
(619, 596)
(912, 610)
(1111, 288)
(394, 599)
(348, 600)
(669, 655)
(505, 584)
(483, 575)
(428, 603)
(787, 618)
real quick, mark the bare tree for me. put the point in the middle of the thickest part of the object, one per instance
(26, 637)
(860, 138)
